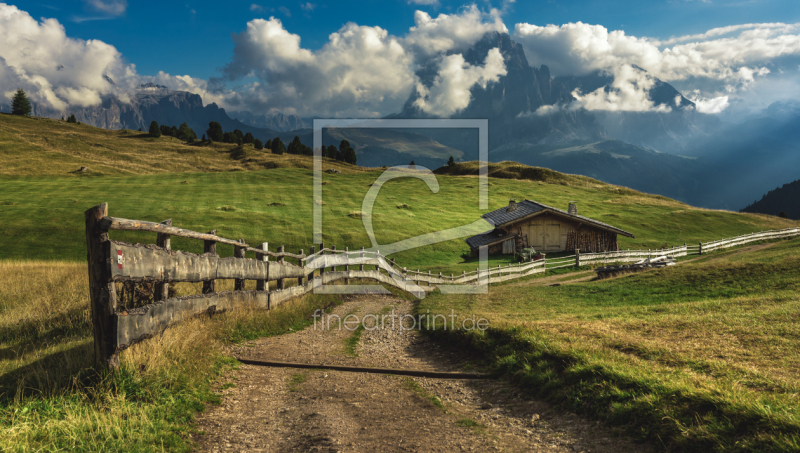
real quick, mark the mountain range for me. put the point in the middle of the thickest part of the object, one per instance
(677, 152)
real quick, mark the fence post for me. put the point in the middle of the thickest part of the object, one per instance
(577, 257)
(700, 250)
(261, 285)
(163, 240)
(333, 248)
(300, 262)
(238, 252)
(361, 267)
(321, 253)
(311, 275)
(281, 282)
(346, 267)
(210, 247)
(102, 291)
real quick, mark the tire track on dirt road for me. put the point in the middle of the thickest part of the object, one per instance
(288, 410)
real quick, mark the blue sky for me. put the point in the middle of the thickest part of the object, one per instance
(359, 58)
(194, 37)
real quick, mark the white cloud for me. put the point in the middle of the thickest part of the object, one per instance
(308, 6)
(285, 11)
(113, 7)
(628, 92)
(256, 7)
(434, 3)
(58, 72)
(450, 91)
(714, 105)
(450, 32)
(732, 57)
(358, 71)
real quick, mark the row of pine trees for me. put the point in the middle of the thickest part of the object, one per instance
(20, 105)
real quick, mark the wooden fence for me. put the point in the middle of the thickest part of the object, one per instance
(111, 262)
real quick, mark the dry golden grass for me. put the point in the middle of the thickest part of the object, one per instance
(42, 146)
(50, 399)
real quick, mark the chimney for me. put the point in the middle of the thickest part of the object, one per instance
(573, 208)
(512, 205)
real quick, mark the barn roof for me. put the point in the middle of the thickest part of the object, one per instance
(528, 208)
(492, 237)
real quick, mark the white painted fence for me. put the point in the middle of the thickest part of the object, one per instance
(513, 271)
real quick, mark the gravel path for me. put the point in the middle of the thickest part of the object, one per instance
(287, 410)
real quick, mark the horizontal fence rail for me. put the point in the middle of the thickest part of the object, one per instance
(111, 262)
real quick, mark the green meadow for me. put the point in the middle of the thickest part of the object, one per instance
(696, 357)
(43, 217)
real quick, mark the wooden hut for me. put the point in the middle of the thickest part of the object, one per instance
(546, 229)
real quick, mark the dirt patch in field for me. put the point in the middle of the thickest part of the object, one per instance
(286, 409)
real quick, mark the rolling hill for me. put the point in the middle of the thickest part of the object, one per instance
(265, 197)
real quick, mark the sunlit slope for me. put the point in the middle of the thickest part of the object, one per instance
(43, 217)
(45, 147)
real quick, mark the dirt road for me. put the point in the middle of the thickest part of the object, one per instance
(289, 409)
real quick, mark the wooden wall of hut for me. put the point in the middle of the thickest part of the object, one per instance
(592, 241)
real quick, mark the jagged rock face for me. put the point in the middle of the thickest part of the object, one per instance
(277, 122)
(509, 103)
(156, 103)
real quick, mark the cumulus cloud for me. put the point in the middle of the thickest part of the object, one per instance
(361, 70)
(358, 70)
(627, 93)
(733, 57)
(113, 7)
(450, 91)
(450, 32)
(58, 72)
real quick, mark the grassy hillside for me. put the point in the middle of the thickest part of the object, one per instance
(43, 217)
(50, 400)
(206, 187)
(45, 147)
(696, 357)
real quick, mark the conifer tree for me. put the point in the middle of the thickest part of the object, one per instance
(154, 131)
(20, 105)
(215, 131)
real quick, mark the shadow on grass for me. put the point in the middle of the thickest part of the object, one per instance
(55, 373)
(72, 323)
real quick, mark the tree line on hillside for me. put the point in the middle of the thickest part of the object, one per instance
(184, 132)
(782, 201)
(215, 133)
